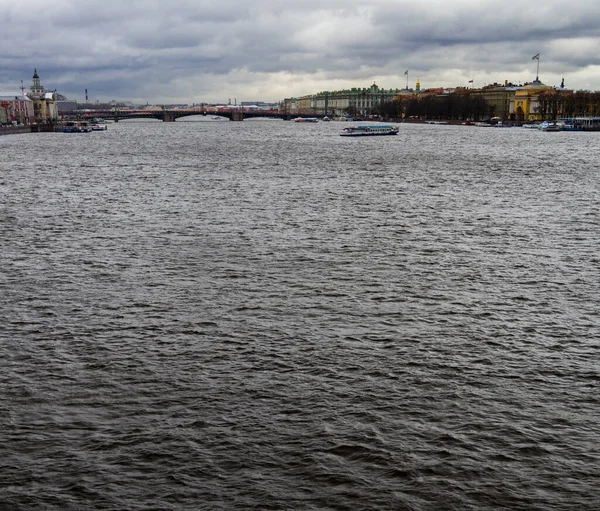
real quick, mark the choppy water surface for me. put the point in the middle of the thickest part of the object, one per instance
(265, 315)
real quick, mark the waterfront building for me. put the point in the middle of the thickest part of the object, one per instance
(406, 92)
(525, 105)
(356, 101)
(498, 97)
(18, 108)
(261, 105)
(291, 105)
(44, 102)
(3, 114)
(306, 104)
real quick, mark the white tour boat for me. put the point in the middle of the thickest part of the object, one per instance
(369, 131)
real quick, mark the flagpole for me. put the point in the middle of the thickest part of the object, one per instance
(406, 79)
(537, 78)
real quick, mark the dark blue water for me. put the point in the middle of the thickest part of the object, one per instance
(265, 315)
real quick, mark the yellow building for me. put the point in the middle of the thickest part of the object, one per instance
(525, 104)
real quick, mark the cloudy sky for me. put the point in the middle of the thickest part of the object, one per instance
(186, 51)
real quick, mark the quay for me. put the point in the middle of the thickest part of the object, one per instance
(32, 128)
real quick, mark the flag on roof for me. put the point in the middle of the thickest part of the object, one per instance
(536, 57)
(406, 72)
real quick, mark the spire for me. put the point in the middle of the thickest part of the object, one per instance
(36, 88)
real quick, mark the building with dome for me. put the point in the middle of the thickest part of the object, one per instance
(44, 102)
(524, 105)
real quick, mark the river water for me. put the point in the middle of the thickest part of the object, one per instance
(266, 315)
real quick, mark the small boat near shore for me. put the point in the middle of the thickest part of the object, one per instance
(549, 126)
(306, 119)
(369, 131)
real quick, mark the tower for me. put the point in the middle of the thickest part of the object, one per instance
(418, 86)
(36, 88)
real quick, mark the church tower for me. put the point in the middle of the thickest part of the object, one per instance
(36, 88)
(44, 103)
(418, 86)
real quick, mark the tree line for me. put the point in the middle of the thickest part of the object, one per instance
(554, 104)
(460, 106)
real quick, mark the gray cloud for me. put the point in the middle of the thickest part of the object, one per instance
(192, 51)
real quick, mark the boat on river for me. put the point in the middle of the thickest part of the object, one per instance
(369, 131)
(76, 127)
(549, 126)
(98, 126)
(306, 119)
(580, 123)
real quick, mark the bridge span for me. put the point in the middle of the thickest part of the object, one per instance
(171, 115)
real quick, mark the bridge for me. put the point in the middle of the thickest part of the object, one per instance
(171, 115)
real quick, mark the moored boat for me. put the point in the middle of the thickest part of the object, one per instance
(76, 127)
(306, 119)
(369, 131)
(84, 127)
(549, 126)
(580, 123)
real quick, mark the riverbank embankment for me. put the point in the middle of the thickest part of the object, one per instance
(33, 128)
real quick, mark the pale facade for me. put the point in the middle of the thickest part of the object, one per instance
(499, 98)
(18, 108)
(354, 101)
(291, 105)
(305, 104)
(338, 103)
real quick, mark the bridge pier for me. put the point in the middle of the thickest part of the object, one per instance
(237, 116)
(168, 117)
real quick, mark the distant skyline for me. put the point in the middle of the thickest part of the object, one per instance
(192, 51)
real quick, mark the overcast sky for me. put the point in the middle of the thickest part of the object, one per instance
(186, 51)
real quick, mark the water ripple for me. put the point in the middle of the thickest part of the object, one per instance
(264, 315)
